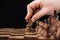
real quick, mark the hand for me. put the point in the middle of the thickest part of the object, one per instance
(46, 7)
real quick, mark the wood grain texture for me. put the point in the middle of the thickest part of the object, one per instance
(17, 34)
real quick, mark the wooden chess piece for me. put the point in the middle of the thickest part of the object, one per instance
(41, 29)
(54, 26)
(28, 26)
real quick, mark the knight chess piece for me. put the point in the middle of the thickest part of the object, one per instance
(41, 29)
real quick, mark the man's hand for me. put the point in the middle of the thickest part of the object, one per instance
(46, 7)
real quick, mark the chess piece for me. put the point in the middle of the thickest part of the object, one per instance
(54, 25)
(28, 26)
(58, 30)
(41, 29)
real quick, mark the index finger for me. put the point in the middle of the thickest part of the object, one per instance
(30, 8)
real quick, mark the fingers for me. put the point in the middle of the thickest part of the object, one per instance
(30, 9)
(29, 13)
(51, 13)
(42, 12)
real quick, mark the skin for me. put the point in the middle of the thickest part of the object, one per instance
(47, 7)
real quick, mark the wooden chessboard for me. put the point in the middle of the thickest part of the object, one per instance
(18, 34)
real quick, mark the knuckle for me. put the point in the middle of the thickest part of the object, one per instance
(28, 5)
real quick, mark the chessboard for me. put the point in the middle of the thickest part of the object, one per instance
(19, 34)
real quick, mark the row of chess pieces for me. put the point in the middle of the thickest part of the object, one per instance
(48, 29)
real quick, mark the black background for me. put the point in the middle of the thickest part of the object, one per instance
(13, 12)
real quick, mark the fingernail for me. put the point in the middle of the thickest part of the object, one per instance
(26, 19)
(33, 20)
